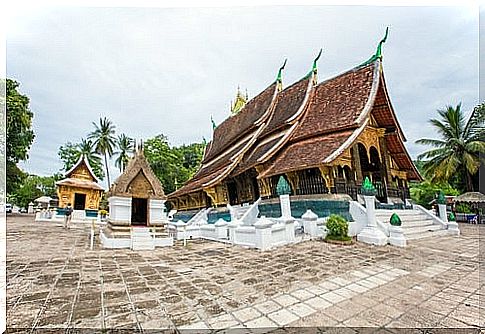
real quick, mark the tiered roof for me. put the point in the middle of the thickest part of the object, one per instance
(302, 126)
(81, 175)
(137, 169)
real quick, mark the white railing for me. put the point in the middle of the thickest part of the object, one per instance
(436, 219)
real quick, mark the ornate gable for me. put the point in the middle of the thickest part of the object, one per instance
(82, 170)
(138, 180)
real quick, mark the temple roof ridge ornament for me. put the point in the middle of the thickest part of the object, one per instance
(314, 70)
(378, 54)
(279, 80)
(239, 102)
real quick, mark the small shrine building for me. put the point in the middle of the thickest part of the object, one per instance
(136, 198)
(80, 187)
(323, 138)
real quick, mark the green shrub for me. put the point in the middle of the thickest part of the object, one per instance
(463, 208)
(337, 227)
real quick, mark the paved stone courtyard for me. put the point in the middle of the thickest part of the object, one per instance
(55, 281)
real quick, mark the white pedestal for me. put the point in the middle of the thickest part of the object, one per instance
(310, 223)
(263, 233)
(442, 212)
(289, 229)
(396, 237)
(120, 209)
(285, 206)
(371, 233)
(453, 228)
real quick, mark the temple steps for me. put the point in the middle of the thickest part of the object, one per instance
(415, 224)
(141, 239)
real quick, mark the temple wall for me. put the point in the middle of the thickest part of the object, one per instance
(66, 195)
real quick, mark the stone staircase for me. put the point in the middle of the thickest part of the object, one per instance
(141, 239)
(415, 224)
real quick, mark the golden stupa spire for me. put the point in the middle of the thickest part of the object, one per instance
(239, 102)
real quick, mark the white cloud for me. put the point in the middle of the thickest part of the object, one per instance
(156, 70)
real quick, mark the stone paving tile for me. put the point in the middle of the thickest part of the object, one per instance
(55, 280)
(286, 300)
(283, 317)
(301, 309)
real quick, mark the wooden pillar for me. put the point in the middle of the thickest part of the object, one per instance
(386, 161)
(356, 163)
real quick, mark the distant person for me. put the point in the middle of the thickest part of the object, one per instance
(67, 216)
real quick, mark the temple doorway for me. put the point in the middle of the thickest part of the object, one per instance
(139, 210)
(232, 192)
(79, 201)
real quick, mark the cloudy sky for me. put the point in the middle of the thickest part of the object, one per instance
(167, 70)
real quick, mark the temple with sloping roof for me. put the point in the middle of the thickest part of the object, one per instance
(323, 138)
(80, 187)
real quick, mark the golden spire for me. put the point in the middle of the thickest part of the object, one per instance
(239, 102)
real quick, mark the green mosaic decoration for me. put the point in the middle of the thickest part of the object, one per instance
(368, 188)
(213, 124)
(283, 188)
(395, 220)
(441, 198)
(314, 66)
(378, 54)
(451, 217)
(278, 78)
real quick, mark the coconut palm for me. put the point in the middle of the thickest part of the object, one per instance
(104, 140)
(86, 148)
(456, 153)
(125, 145)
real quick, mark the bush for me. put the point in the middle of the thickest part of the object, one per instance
(337, 227)
(463, 208)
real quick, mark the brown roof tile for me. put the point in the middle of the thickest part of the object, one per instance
(306, 153)
(236, 126)
(81, 183)
(288, 102)
(337, 103)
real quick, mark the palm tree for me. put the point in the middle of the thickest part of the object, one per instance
(125, 145)
(104, 140)
(456, 153)
(86, 148)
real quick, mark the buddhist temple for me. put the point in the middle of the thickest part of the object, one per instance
(80, 187)
(323, 138)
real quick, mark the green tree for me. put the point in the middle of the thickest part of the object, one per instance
(424, 192)
(104, 141)
(34, 186)
(19, 133)
(456, 154)
(70, 153)
(164, 162)
(126, 146)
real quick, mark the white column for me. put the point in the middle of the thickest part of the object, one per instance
(371, 234)
(442, 212)
(285, 206)
(310, 223)
(221, 228)
(396, 237)
(232, 231)
(263, 233)
(289, 229)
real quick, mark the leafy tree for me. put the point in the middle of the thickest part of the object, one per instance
(456, 154)
(164, 162)
(172, 165)
(424, 192)
(19, 133)
(34, 186)
(70, 153)
(125, 145)
(104, 140)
